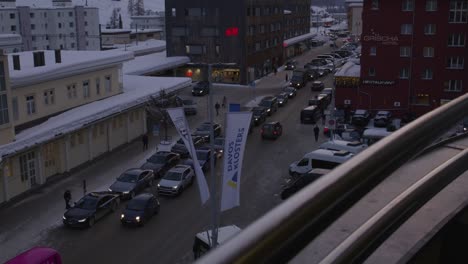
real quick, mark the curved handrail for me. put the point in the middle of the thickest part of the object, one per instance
(281, 233)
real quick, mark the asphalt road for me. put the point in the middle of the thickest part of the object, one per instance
(168, 237)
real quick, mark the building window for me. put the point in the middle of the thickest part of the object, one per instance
(455, 62)
(12, 15)
(408, 5)
(33, 26)
(431, 5)
(406, 29)
(14, 105)
(27, 166)
(458, 12)
(427, 74)
(429, 29)
(257, 46)
(98, 86)
(174, 13)
(31, 15)
(404, 73)
(86, 23)
(70, 14)
(405, 51)
(456, 40)
(59, 25)
(375, 4)
(251, 30)
(107, 83)
(454, 86)
(372, 71)
(85, 13)
(217, 50)
(49, 96)
(58, 14)
(4, 109)
(373, 51)
(194, 49)
(195, 12)
(421, 99)
(86, 89)
(71, 24)
(30, 105)
(72, 45)
(13, 28)
(428, 52)
(71, 91)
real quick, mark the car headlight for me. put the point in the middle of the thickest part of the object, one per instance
(221, 151)
(268, 110)
(82, 220)
(200, 91)
(122, 216)
(193, 91)
(126, 192)
(159, 185)
(175, 187)
(256, 119)
(137, 218)
(110, 190)
(64, 218)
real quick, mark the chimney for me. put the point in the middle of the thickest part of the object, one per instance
(16, 62)
(39, 59)
(58, 56)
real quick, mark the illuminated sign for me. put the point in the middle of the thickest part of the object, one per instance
(378, 82)
(231, 31)
(385, 40)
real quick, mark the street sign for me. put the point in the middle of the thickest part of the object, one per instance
(332, 124)
(234, 107)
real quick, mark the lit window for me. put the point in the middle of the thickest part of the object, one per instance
(373, 51)
(455, 62)
(458, 12)
(428, 52)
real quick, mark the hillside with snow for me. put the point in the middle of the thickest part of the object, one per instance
(105, 7)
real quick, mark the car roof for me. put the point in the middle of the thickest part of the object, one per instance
(269, 97)
(179, 168)
(143, 197)
(134, 171)
(318, 82)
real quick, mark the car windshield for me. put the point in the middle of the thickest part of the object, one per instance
(257, 112)
(204, 127)
(87, 203)
(265, 103)
(173, 176)
(360, 112)
(158, 159)
(128, 177)
(281, 96)
(202, 155)
(136, 205)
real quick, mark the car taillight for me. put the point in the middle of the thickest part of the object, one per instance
(275, 132)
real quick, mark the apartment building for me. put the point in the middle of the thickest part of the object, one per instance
(156, 21)
(247, 36)
(61, 26)
(354, 15)
(417, 61)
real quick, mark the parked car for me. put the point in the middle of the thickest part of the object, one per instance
(205, 129)
(298, 79)
(179, 146)
(259, 115)
(272, 130)
(219, 146)
(296, 184)
(131, 182)
(291, 91)
(360, 117)
(328, 91)
(91, 208)
(338, 59)
(140, 210)
(176, 180)
(190, 107)
(317, 86)
(290, 65)
(203, 157)
(311, 74)
(160, 162)
(282, 99)
(201, 88)
(382, 118)
(270, 103)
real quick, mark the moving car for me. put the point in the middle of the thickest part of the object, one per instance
(282, 99)
(360, 117)
(271, 130)
(131, 182)
(259, 115)
(91, 208)
(310, 114)
(203, 157)
(140, 209)
(291, 91)
(270, 103)
(290, 65)
(205, 129)
(317, 86)
(201, 88)
(311, 74)
(160, 162)
(190, 107)
(298, 79)
(382, 118)
(179, 146)
(320, 158)
(176, 180)
(354, 147)
(300, 182)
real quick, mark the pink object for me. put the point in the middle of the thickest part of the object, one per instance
(37, 255)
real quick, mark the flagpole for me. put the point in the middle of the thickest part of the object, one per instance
(214, 231)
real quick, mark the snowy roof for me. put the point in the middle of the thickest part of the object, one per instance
(115, 30)
(73, 62)
(152, 63)
(9, 39)
(137, 90)
(143, 47)
(146, 30)
(349, 69)
(328, 19)
(289, 42)
(143, 17)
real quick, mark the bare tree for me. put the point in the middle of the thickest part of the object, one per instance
(131, 7)
(114, 19)
(140, 8)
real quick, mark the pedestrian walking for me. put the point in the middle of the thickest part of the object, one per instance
(67, 197)
(145, 140)
(224, 102)
(217, 106)
(316, 132)
(287, 77)
(323, 118)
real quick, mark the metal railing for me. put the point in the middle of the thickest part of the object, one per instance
(283, 232)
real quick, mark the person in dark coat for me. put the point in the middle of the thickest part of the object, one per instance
(217, 106)
(316, 132)
(67, 197)
(287, 77)
(224, 102)
(145, 140)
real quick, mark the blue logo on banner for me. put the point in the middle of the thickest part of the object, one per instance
(234, 107)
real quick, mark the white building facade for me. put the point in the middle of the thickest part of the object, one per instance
(61, 26)
(354, 8)
(149, 22)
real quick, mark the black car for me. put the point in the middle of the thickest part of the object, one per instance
(259, 115)
(132, 181)
(317, 86)
(180, 148)
(140, 210)
(291, 91)
(272, 130)
(290, 65)
(296, 184)
(161, 162)
(203, 157)
(382, 118)
(201, 88)
(91, 208)
(270, 103)
(282, 99)
(190, 107)
(205, 129)
(311, 74)
(360, 117)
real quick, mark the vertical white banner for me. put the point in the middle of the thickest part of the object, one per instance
(237, 129)
(180, 122)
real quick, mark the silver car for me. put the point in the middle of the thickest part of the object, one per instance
(176, 180)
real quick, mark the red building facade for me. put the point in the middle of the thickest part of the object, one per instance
(414, 56)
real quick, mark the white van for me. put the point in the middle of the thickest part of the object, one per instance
(337, 145)
(320, 158)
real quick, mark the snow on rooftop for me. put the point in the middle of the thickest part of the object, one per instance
(137, 90)
(115, 30)
(143, 47)
(291, 41)
(73, 62)
(146, 30)
(349, 69)
(152, 63)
